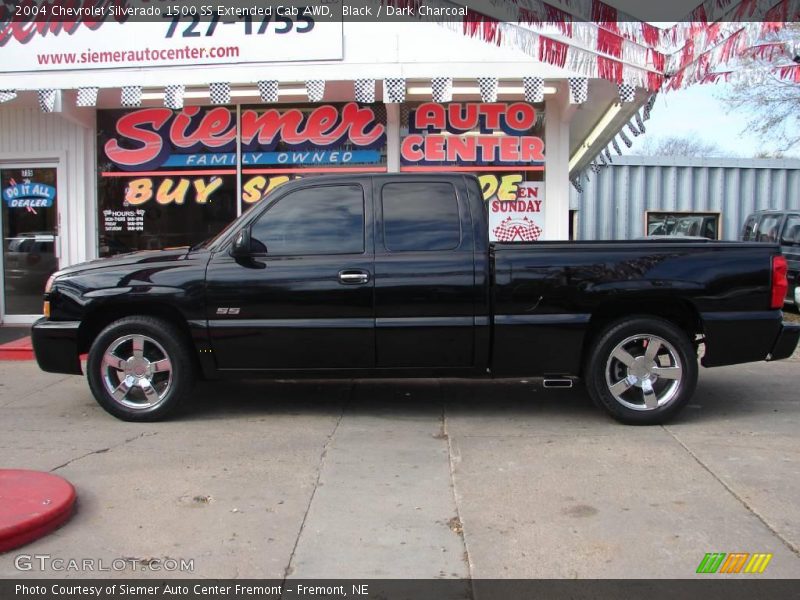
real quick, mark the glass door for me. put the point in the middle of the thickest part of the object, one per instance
(29, 219)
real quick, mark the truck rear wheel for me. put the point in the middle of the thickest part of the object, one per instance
(642, 370)
(140, 368)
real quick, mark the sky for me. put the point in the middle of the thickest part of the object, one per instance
(698, 112)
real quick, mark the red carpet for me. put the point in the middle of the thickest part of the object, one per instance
(20, 349)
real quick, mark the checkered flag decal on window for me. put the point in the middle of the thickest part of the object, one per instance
(379, 110)
(627, 92)
(220, 93)
(394, 90)
(7, 95)
(578, 90)
(488, 87)
(442, 89)
(173, 96)
(315, 88)
(268, 90)
(131, 96)
(524, 229)
(47, 100)
(87, 96)
(364, 90)
(534, 89)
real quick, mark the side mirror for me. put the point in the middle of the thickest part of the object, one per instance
(241, 244)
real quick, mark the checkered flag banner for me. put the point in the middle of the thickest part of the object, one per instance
(616, 147)
(47, 100)
(442, 89)
(364, 90)
(633, 130)
(627, 92)
(268, 90)
(509, 230)
(578, 90)
(640, 122)
(488, 87)
(7, 95)
(220, 93)
(534, 89)
(394, 90)
(625, 139)
(315, 88)
(594, 167)
(602, 160)
(131, 96)
(607, 154)
(173, 96)
(87, 96)
(576, 183)
(649, 107)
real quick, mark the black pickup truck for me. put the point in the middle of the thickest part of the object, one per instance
(394, 276)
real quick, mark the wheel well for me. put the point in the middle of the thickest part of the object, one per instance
(99, 319)
(678, 312)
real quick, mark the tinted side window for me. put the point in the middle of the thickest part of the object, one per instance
(791, 230)
(747, 230)
(420, 216)
(321, 220)
(768, 228)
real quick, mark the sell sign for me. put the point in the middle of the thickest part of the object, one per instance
(520, 219)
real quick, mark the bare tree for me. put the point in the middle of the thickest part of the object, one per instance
(681, 146)
(773, 105)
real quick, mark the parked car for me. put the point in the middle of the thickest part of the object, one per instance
(780, 227)
(394, 276)
(30, 258)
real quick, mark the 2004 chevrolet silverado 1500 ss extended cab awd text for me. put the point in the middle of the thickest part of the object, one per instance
(394, 276)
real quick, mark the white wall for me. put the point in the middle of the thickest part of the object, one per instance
(28, 134)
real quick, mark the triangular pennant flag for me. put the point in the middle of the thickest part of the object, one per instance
(268, 90)
(594, 167)
(220, 92)
(173, 96)
(7, 95)
(87, 96)
(47, 100)
(131, 96)
(576, 183)
(394, 90)
(442, 89)
(364, 90)
(488, 87)
(315, 88)
(534, 89)
(578, 90)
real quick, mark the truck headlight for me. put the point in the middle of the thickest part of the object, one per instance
(49, 285)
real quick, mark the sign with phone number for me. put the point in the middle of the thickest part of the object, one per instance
(182, 38)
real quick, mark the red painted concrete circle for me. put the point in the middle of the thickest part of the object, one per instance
(32, 504)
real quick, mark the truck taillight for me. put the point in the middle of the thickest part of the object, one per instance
(780, 284)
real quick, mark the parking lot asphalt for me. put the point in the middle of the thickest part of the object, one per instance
(414, 479)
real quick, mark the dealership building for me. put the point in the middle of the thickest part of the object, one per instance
(119, 136)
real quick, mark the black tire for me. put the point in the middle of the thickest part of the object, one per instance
(145, 372)
(646, 390)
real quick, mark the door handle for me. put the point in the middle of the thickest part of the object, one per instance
(353, 277)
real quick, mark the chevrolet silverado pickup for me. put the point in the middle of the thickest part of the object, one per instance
(394, 276)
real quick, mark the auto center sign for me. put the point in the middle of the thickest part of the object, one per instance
(472, 134)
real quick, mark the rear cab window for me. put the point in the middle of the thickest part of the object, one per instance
(420, 217)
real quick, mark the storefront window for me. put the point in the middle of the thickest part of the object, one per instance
(501, 143)
(166, 178)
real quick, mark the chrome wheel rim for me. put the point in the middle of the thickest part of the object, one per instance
(644, 372)
(136, 372)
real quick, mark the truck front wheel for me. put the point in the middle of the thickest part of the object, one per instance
(642, 370)
(140, 368)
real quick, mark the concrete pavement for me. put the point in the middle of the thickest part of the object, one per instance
(428, 479)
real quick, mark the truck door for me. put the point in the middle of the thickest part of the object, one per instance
(424, 274)
(303, 299)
